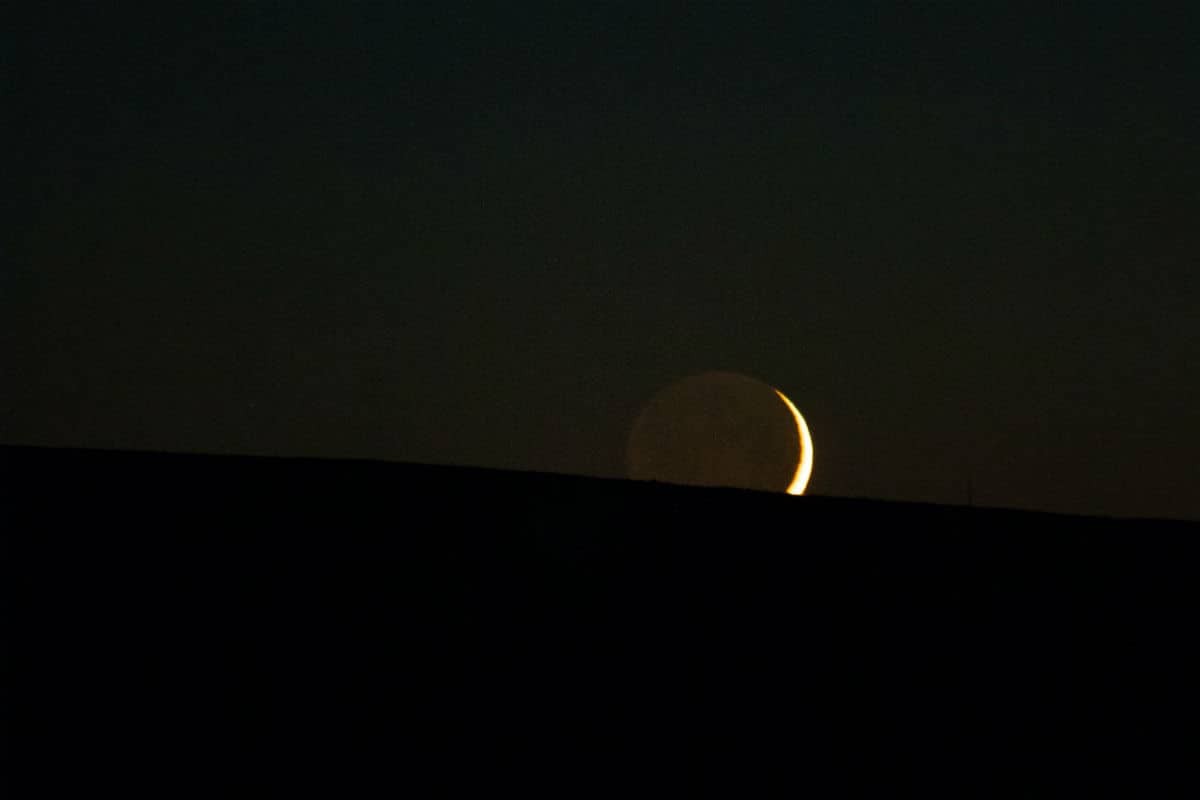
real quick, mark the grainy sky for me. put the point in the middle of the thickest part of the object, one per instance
(962, 237)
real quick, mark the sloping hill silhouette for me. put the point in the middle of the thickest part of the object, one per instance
(189, 624)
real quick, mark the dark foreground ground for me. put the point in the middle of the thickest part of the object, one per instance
(195, 625)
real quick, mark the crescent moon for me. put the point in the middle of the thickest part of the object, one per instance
(804, 468)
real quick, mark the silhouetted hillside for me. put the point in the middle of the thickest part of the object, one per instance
(205, 624)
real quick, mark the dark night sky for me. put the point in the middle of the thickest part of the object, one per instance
(963, 240)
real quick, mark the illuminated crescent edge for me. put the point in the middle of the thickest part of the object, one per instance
(804, 468)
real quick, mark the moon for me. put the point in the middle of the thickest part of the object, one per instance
(804, 468)
(722, 429)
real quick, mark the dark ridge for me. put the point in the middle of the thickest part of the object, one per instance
(200, 624)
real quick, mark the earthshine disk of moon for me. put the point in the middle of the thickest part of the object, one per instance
(722, 429)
